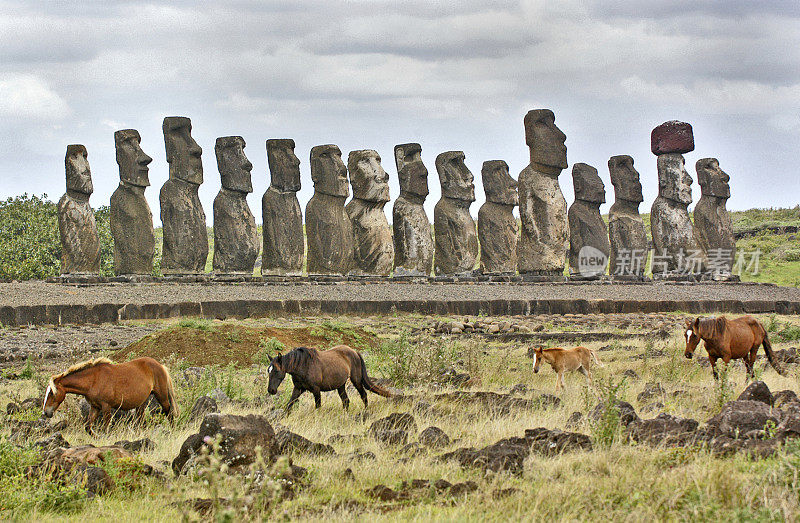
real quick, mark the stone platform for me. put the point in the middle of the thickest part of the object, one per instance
(38, 303)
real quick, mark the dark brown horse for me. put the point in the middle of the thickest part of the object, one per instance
(109, 387)
(321, 371)
(729, 340)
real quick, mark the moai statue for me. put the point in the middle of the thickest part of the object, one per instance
(626, 232)
(372, 236)
(454, 229)
(283, 220)
(236, 241)
(588, 235)
(413, 241)
(328, 229)
(712, 223)
(80, 243)
(542, 248)
(131, 218)
(676, 251)
(185, 247)
(497, 226)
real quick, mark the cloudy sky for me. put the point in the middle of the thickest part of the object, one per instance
(374, 73)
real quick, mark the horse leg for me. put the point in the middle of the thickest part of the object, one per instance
(343, 394)
(713, 361)
(317, 398)
(586, 372)
(292, 400)
(106, 414)
(90, 419)
(361, 392)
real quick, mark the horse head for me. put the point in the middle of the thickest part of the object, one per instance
(537, 358)
(53, 397)
(276, 374)
(702, 329)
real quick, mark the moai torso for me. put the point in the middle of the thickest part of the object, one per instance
(185, 248)
(236, 241)
(497, 226)
(543, 242)
(328, 229)
(80, 242)
(626, 232)
(455, 233)
(413, 241)
(283, 220)
(372, 236)
(586, 226)
(712, 223)
(131, 219)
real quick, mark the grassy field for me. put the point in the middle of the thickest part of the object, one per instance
(618, 480)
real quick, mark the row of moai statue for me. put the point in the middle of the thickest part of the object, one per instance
(356, 238)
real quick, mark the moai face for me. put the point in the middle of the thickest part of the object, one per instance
(79, 176)
(328, 171)
(183, 153)
(131, 158)
(233, 165)
(284, 166)
(546, 141)
(587, 183)
(370, 182)
(412, 172)
(456, 180)
(674, 183)
(713, 180)
(498, 185)
(625, 179)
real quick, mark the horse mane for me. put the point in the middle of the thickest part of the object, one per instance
(83, 365)
(552, 348)
(710, 327)
(298, 359)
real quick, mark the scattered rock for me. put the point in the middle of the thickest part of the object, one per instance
(348, 474)
(455, 378)
(139, 445)
(664, 429)
(519, 388)
(202, 406)
(394, 428)
(220, 397)
(289, 442)
(52, 442)
(757, 391)
(552, 442)
(574, 419)
(785, 397)
(382, 493)
(461, 489)
(434, 437)
(504, 493)
(627, 414)
(651, 390)
(24, 431)
(630, 374)
(739, 417)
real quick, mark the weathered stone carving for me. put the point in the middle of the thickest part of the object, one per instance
(328, 229)
(454, 229)
(626, 232)
(185, 247)
(588, 235)
(283, 221)
(542, 246)
(236, 242)
(671, 227)
(131, 219)
(413, 241)
(372, 236)
(712, 223)
(80, 243)
(497, 226)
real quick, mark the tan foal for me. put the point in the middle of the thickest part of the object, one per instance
(577, 358)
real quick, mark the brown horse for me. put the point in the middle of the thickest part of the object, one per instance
(576, 358)
(321, 371)
(109, 387)
(729, 340)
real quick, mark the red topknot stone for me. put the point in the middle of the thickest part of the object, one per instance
(672, 137)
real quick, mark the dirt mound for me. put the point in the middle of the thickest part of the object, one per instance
(205, 343)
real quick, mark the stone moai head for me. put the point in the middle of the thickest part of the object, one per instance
(233, 165)
(498, 185)
(328, 171)
(674, 182)
(546, 141)
(370, 182)
(183, 153)
(284, 166)
(412, 172)
(456, 180)
(625, 179)
(79, 176)
(713, 180)
(587, 184)
(131, 158)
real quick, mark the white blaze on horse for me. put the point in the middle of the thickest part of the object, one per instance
(566, 360)
(109, 387)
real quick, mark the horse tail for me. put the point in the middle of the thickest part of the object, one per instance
(174, 411)
(368, 382)
(768, 349)
(594, 356)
